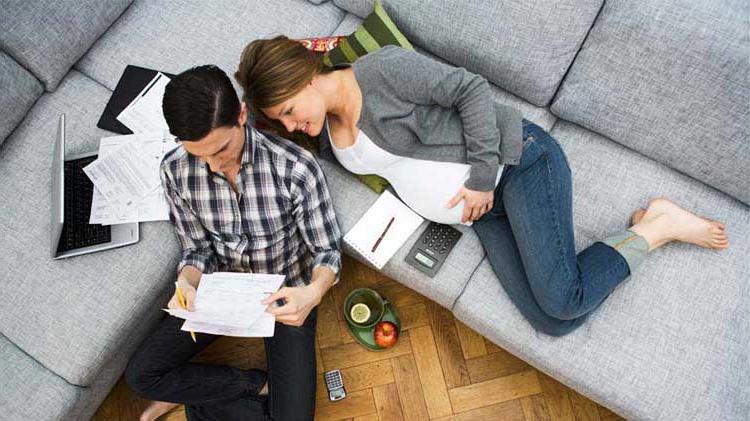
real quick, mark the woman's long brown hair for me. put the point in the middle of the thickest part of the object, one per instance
(274, 70)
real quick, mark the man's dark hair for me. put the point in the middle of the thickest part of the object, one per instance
(199, 100)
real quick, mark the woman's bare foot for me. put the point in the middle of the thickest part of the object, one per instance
(637, 216)
(664, 221)
(156, 409)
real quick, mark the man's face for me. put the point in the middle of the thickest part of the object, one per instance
(304, 112)
(221, 149)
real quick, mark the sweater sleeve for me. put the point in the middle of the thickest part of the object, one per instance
(413, 77)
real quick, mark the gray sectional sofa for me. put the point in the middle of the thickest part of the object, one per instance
(648, 98)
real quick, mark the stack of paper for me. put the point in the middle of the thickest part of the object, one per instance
(126, 172)
(126, 179)
(229, 304)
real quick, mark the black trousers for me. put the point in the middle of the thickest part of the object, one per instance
(160, 370)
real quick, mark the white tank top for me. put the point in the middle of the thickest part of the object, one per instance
(425, 186)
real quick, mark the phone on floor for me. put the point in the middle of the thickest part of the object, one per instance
(335, 385)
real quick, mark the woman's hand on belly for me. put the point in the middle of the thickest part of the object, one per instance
(476, 203)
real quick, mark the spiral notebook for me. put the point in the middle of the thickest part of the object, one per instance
(371, 226)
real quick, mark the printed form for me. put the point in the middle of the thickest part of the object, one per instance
(151, 207)
(229, 304)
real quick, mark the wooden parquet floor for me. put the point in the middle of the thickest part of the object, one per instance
(439, 369)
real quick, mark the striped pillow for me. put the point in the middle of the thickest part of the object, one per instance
(375, 31)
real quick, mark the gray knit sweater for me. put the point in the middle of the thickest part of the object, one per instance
(417, 107)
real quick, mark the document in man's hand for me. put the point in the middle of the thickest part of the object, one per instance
(229, 304)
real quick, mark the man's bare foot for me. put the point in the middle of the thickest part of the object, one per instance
(156, 409)
(664, 221)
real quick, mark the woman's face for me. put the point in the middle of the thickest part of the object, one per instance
(304, 112)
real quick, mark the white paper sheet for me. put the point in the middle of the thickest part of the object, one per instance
(153, 206)
(262, 327)
(144, 114)
(228, 303)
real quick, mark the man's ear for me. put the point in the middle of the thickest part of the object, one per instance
(243, 113)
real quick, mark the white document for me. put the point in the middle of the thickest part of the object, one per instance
(365, 233)
(228, 303)
(144, 114)
(262, 327)
(128, 172)
(153, 206)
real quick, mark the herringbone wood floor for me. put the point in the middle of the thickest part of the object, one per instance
(439, 369)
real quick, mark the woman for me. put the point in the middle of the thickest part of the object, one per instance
(433, 132)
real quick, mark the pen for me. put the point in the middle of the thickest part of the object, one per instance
(183, 304)
(377, 243)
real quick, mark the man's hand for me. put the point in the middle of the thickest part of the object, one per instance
(188, 280)
(476, 203)
(188, 292)
(299, 303)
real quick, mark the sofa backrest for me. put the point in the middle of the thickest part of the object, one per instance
(19, 90)
(671, 80)
(48, 37)
(525, 47)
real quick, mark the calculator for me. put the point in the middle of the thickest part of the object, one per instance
(335, 385)
(433, 247)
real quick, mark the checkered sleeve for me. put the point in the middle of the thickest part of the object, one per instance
(197, 248)
(313, 211)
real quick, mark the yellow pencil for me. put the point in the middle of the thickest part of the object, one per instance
(181, 299)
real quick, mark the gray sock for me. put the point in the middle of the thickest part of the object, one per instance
(630, 245)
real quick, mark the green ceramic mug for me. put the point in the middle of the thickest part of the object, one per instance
(369, 297)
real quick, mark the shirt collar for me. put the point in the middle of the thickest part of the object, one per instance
(248, 152)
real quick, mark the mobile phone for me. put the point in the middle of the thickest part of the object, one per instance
(335, 385)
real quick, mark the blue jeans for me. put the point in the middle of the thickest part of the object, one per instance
(160, 370)
(528, 237)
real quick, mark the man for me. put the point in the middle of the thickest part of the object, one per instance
(240, 201)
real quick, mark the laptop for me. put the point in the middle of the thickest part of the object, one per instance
(72, 192)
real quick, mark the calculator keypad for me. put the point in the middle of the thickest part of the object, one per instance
(433, 247)
(439, 238)
(333, 380)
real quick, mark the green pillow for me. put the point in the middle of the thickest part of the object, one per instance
(376, 31)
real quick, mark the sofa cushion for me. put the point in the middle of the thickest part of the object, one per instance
(669, 79)
(71, 315)
(20, 90)
(174, 36)
(671, 342)
(347, 25)
(30, 391)
(49, 37)
(539, 115)
(350, 201)
(524, 47)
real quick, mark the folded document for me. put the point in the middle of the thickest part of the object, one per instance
(229, 304)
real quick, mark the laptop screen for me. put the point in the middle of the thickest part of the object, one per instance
(58, 182)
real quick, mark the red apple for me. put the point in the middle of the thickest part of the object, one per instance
(386, 334)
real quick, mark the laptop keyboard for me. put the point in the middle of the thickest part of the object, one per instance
(79, 191)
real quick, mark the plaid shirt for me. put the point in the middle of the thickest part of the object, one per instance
(282, 210)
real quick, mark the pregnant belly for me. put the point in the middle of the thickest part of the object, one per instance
(427, 186)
